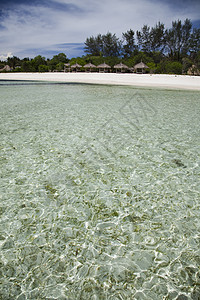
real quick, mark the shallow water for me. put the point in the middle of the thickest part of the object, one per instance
(99, 192)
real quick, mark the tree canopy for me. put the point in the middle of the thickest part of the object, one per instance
(175, 42)
(105, 45)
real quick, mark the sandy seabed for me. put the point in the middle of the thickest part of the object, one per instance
(139, 80)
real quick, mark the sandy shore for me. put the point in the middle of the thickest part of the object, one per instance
(138, 80)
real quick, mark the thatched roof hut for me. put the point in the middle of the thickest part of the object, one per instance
(66, 67)
(104, 67)
(193, 70)
(89, 67)
(7, 68)
(76, 67)
(121, 67)
(140, 68)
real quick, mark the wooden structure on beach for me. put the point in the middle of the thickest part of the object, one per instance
(7, 68)
(103, 67)
(67, 67)
(140, 68)
(193, 70)
(76, 67)
(122, 67)
(89, 67)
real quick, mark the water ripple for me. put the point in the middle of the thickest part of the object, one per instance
(99, 194)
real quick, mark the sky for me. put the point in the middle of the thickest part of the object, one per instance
(47, 27)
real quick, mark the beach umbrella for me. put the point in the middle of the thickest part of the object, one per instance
(76, 66)
(121, 66)
(140, 67)
(103, 66)
(89, 66)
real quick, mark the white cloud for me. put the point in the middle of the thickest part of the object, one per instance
(5, 56)
(42, 27)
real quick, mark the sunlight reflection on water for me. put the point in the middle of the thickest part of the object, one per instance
(99, 194)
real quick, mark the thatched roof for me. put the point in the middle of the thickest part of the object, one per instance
(89, 66)
(141, 65)
(193, 70)
(103, 66)
(6, 68)
(121, 66)
(76, 66)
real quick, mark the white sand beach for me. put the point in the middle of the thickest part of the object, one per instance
(139, 80)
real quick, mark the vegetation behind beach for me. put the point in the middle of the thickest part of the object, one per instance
(175, 50)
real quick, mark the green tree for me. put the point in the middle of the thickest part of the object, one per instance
(105, 45)
(27, 66)
(144, 38)
(2, 64)
(177, 39)
(186, 63)
(129, 39)
(43, 68)
(111, 45)
(37, 61)
(141, 56)
(13, 61)
(157, 56)
(94, 45)
(60, 58)
(79, 60)
(186, 35)
(96, 60)
(194, 42)
(157, 37)
(174, 67)
(151, 39)
(197, 60)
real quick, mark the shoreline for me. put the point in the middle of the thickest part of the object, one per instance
(164, 81)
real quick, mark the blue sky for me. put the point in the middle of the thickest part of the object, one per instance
(48, 27)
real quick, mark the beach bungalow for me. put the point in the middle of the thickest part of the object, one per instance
(103, 67)
(140, 68)
(193, 70)
(122, 67)
(7, 68)
(89, 67)
(67, 67)
(76, 67)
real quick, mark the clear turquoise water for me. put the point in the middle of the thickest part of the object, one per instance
(99, 192)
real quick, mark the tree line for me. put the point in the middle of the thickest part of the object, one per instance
(36, 64)
(176, 42)
(165, 50)
(171, 50)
